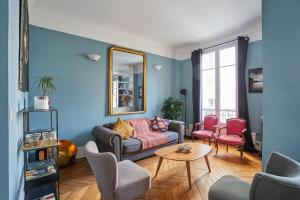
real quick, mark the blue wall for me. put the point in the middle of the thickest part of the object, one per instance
(4, 183)
(281, 41)
(81, 94)
(16, 104)
(12, 101)
(254, 60)
(186, 82)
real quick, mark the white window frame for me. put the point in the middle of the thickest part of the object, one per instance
(217, 50)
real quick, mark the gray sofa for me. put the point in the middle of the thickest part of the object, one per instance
(280, 181)
(131, 149)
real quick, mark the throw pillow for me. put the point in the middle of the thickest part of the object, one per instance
(160, 124)
(123, 128)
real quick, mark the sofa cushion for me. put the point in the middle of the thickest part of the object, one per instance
(140, 125)
(159, 124)
(229, 188)
(131, 145)
(123, 128)
(171, 136)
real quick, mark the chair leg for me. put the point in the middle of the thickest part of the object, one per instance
(209, 142)
(217, 146)
(193, 138)
(146, 195)
(242, 152)
(227, 148)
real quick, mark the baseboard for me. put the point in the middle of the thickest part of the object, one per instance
(80, 152)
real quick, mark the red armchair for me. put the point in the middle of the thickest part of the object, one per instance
(235, 130)
(209, 129)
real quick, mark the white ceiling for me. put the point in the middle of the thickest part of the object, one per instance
(167, 27)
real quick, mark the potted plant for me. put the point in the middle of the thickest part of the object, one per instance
(46, 85)
(172, 108)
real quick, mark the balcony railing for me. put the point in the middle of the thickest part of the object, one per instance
(224, 113)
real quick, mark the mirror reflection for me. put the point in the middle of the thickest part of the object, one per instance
(128, 72)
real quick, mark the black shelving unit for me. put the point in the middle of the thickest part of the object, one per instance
(39, 187)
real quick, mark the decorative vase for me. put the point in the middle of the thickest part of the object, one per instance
(67, 151)
(41, 102)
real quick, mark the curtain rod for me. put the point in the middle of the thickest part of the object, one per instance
(219, 44)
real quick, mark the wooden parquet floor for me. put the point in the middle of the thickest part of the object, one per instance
(78, 183)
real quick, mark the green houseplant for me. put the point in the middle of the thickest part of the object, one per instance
(46, 86)
(172, 108)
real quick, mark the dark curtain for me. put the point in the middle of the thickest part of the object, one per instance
(196, 64)
(242, 90)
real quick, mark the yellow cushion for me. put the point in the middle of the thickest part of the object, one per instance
(123, 128)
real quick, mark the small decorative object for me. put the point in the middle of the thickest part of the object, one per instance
(157, 67)
(67, 151)
(46, 85)
(256, 80)
(36, 138)
(41, 154)
(184, 148)
(24, 47)
(172, 108)
(93, 57)
(126, 99)
(28, 140)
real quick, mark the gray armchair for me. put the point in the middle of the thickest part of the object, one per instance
(280, 181)
(123, 180)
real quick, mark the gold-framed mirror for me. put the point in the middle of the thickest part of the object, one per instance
(127, 82)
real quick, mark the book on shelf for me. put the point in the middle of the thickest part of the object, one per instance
(40, 164)
(47, 197)
(41, 172)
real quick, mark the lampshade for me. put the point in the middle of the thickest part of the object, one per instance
(93, 57)
(157, 67)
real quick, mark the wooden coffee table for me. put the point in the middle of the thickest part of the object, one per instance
(171, 153)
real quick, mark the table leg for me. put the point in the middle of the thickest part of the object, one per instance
(188, 168)
(207, 163)
(158, 166)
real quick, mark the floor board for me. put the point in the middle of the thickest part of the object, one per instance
(78, 183)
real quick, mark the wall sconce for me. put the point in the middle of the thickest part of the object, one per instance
(93, 57)
(157, 67)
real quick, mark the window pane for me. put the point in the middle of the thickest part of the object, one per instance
(208, 60)
(227, 56)
(227, 92)
(208, 89)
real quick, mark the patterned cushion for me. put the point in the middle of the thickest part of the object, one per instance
(160, 124)
(123, 129)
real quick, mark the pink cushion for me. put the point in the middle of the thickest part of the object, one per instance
(203, 134)
(140, 125)
(230, 140)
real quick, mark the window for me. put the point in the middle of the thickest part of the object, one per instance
(219, 83)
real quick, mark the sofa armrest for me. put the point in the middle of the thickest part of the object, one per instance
(108, 141)
(177, 126)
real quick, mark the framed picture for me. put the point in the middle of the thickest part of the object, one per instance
(256, 80)
(24, 47)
